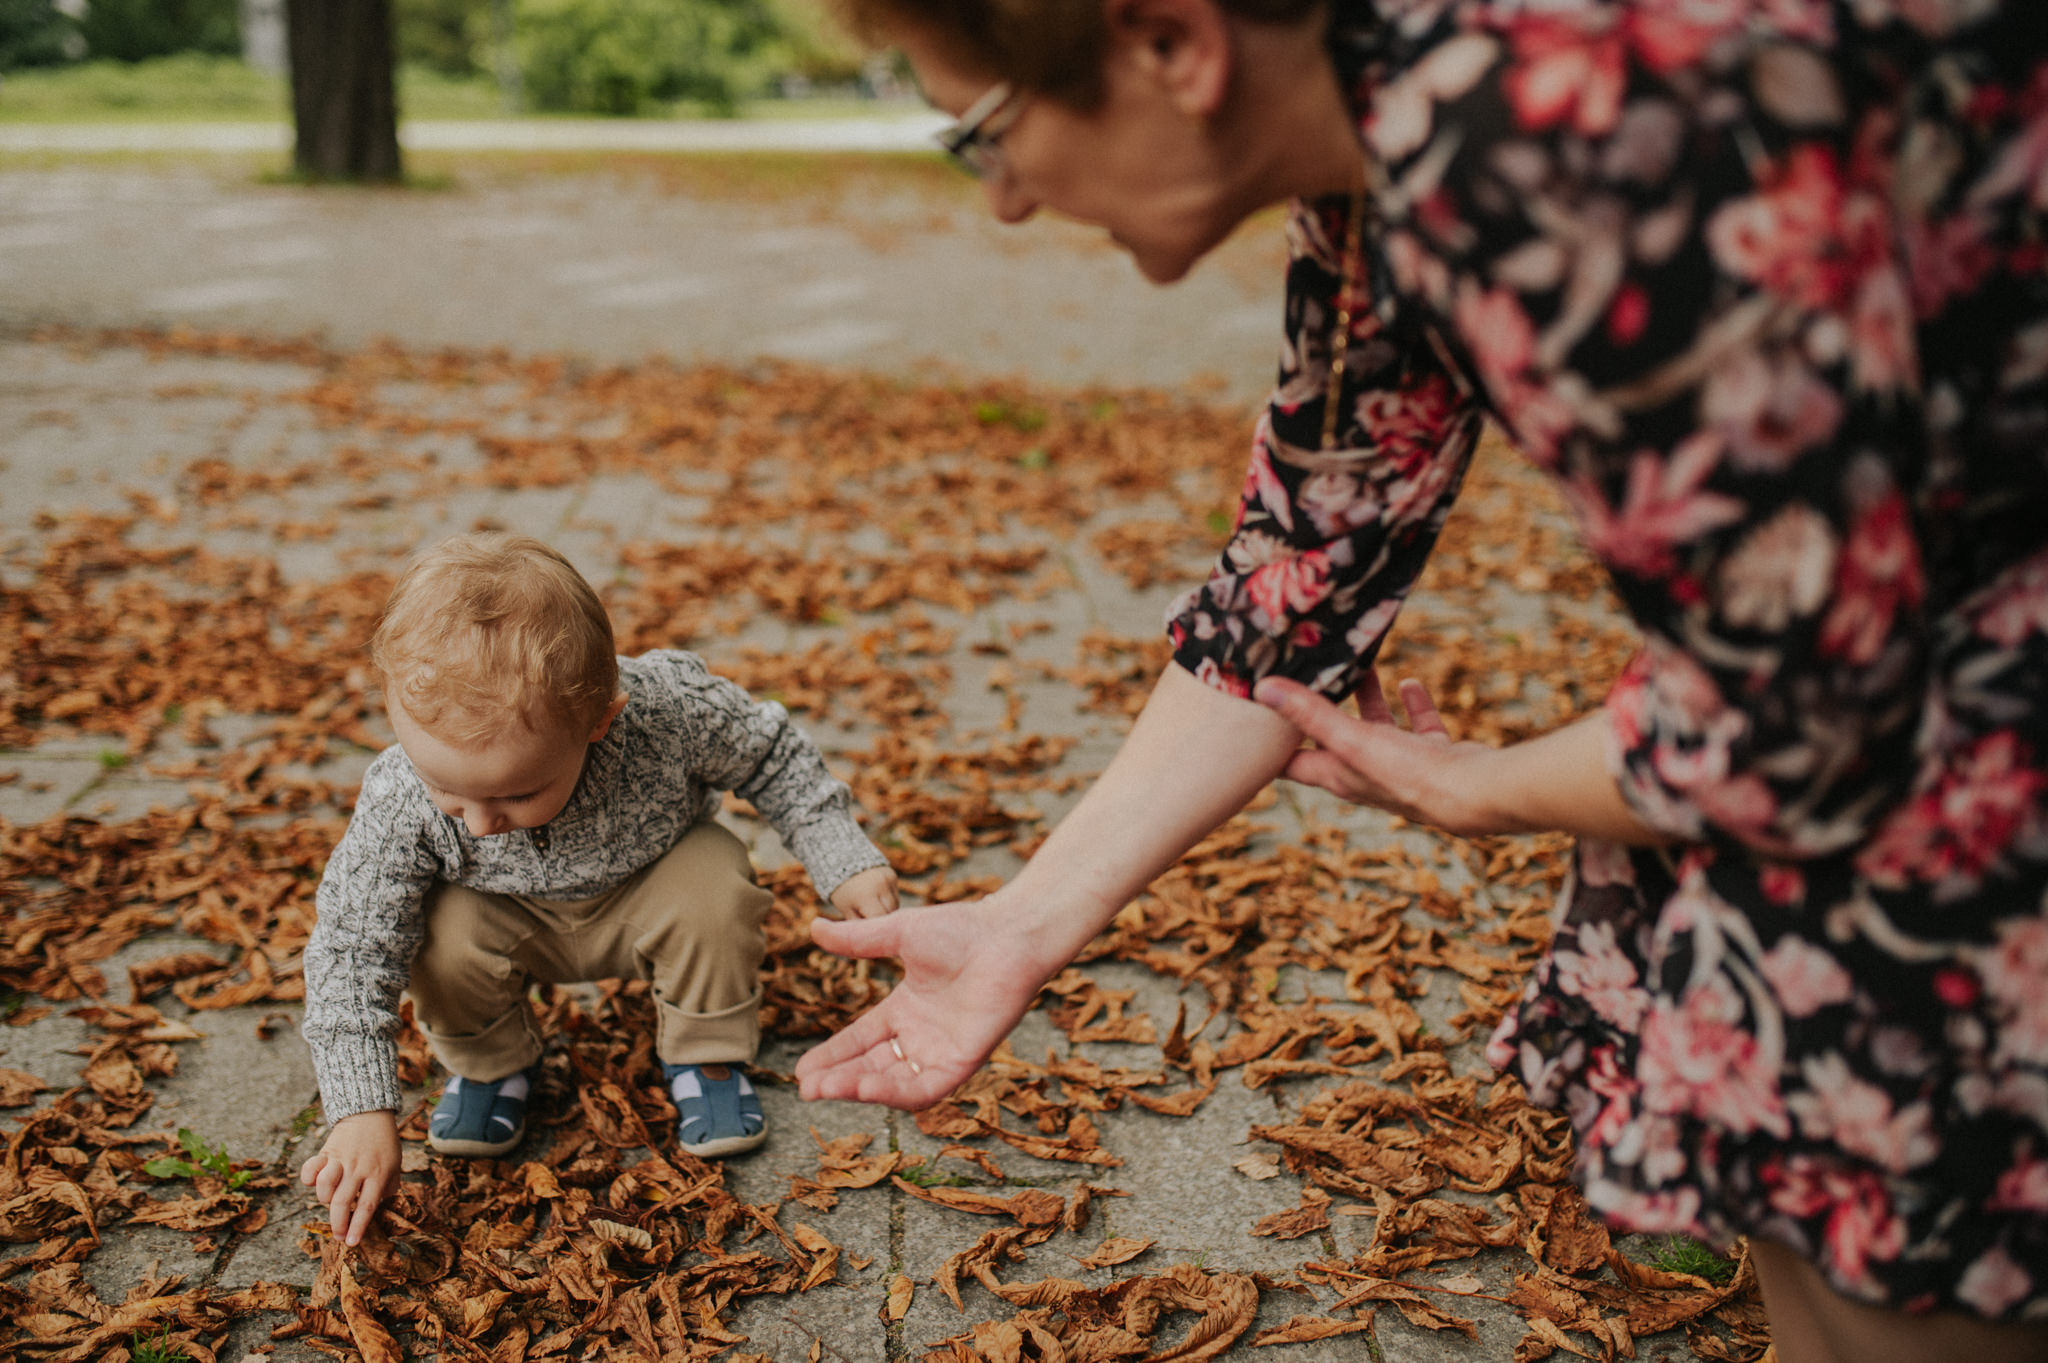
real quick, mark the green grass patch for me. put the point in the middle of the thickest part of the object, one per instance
(1683, 1254)
(201, 1159)
(156, 1348)
(195, 88)
(926, 1174)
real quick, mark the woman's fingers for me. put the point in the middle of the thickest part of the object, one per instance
(1422, 714)
(1317, 718)
(829, 1068)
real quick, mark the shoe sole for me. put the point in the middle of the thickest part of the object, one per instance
(476, 1149)
(726, 1145)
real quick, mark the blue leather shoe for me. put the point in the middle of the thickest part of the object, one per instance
(721, 1114)
(476, 1119)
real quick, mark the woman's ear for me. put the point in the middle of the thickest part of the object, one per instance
(1184, 46)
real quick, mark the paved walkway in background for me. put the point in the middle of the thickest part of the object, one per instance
(696, 258)
(907, 131)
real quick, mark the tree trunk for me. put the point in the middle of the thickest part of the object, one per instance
(505, 59)
(343, 101)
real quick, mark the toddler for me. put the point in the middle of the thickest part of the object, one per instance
(546, 815)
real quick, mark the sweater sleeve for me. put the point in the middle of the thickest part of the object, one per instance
(752, 748)
(370, 919)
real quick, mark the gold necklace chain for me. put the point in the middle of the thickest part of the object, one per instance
(1340, 344)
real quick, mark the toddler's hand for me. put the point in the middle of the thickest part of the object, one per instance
(353, 1171)
(871, 894)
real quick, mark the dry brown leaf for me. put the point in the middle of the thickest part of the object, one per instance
(1116, 1250)
(898, 1304)
(1308, 1329)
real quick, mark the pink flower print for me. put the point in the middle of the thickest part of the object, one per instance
(1858, 1117)
(1698, 1059)
(1663, 507)
(1994, 1284)
(2016, 608)
(1263, 490)
(1213, 675)
(1604, 863)
(1806, 235)
(1783, 885)
(1292, 586)
(1804, 978)
(1861, 1225)
(1566, 72)
(2023, 1187)
(2022, 164)
(1960, 828)
(1648, 1213)
(2012, 972)
(1408, 425)
(1499, 336)
(1615, 1089)
(1598, 972)
(1670, 34)
(1249, 550)
(1781, 572)
(1876, 576)
(1882, 351)
(1337, 502)
(1769, 410)
(1947, 257)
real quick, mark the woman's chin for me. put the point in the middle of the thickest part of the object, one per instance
(1161, 266)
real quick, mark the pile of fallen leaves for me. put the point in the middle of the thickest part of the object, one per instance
(859, 505)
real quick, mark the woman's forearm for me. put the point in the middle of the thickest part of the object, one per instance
(1193, 759)
(1561, 782)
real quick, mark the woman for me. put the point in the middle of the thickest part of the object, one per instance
(1764, 283)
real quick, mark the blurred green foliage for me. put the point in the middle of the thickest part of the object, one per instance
(194, 86)
(172, 57)
(131, 30)
(36, 33)
(628, 56)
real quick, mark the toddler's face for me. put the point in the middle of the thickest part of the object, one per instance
(518, 779)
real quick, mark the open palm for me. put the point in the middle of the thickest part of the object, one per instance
(964, 987)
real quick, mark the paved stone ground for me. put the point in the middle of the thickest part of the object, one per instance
(614, 268)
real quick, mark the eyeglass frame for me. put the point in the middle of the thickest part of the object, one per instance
(974, 140)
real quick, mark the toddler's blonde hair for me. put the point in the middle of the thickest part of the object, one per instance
(484, 627)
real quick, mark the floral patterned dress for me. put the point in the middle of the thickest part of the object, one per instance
(1764, 284)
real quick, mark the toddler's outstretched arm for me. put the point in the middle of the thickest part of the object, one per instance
(354, 1169)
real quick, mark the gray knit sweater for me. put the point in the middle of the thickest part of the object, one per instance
(683, 737)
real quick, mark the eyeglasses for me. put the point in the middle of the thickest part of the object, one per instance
(974, 140)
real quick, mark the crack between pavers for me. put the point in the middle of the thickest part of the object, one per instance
(893, 1349)
(280, 1165)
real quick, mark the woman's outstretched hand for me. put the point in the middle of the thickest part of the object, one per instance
(1369, 758)
(964, 987)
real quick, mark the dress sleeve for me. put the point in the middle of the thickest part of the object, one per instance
(1682, 284)
(1328, 542)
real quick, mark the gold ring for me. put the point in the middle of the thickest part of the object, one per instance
(897, 1047)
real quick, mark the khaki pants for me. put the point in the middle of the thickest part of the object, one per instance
(690, 924)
